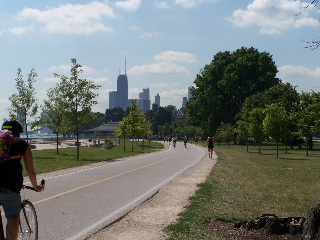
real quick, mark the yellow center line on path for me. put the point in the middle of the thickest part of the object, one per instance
(103, 180)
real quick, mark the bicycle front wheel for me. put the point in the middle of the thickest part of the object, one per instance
(28, 222)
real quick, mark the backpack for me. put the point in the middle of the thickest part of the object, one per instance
(6, 140)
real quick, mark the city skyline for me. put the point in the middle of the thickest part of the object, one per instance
(166, 42)
(119, 98)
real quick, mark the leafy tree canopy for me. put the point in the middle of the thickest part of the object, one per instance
(222, 86)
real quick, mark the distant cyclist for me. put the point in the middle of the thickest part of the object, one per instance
(11, 179)
(185, 140)
(196, 139)
(174, 141)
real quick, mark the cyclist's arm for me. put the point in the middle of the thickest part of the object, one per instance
(28, 162)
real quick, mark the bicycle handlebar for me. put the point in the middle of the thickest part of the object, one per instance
(43, 183)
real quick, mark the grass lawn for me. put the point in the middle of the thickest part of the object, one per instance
(49, 160)
(243, 185)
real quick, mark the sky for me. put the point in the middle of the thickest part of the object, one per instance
(160, 44)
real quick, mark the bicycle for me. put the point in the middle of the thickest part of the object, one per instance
(28, 222)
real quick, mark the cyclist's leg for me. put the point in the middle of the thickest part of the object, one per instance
(12, 229)
(11, 204)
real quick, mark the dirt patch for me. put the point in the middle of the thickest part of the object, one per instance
(227, 230)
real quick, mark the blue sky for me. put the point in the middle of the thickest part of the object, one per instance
(165, 42)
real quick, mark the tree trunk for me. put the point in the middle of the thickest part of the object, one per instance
(57, 143)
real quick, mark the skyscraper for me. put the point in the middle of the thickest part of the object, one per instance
(189, 93)
(122, 91)
(119, 98)
(157, 100)
(144, 100)
(184, 101)
(112, 99)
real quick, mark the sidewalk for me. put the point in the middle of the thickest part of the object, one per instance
(41, 144)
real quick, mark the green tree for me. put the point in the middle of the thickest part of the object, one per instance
(114, 114)
(135, 125)
(225, 133)
(79, 95)
(276, 123)
(285, 95)
(24, 106)
(256, 119)
(162, 116)
(222, 86)
(309, 116)
(242, 132)
(54, 110)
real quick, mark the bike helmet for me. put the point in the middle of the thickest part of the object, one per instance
(12, 125)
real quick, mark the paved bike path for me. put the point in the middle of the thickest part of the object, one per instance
(79, 203)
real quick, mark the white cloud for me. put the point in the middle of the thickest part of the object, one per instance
(173, 97)
(162, 4)
(273, 17)
(133, 93)
(149, 35)
(166, 64)
(99, 80)
(188, 3)
(166, 85)
(176, 57)
(158, 68)
(20, 30)
(166, 4)
(306, 79)
(298, 72)
(71, 18)
(129, 5)
(60, 69)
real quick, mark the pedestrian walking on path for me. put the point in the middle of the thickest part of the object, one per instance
(210, 145)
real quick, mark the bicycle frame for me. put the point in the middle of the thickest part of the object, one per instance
(25, 214)
(24, 202)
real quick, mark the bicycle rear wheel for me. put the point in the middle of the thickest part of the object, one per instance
(28, 222)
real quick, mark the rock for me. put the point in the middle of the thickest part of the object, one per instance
(273, 225)
(312, 223)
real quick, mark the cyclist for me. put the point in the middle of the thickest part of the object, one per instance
(11, 179)
(174, 141)
(196, 139)
(185, 140)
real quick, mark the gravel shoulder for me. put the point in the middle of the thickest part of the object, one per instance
(148, 220)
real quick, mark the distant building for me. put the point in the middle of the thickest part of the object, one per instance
(144, 100)
(157, 100)
(112, 99)
(184, 101)
(189, 93)
(119, 98)
(105, 130)
(122, 92)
